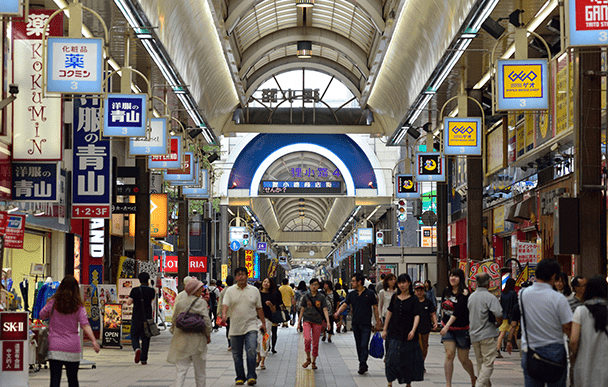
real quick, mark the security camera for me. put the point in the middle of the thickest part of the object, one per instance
(13, 88)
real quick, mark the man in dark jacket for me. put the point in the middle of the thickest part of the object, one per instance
(141, 298)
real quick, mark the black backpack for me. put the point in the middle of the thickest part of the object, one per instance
(213, 298)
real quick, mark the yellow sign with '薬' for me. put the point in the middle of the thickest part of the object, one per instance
(462, 133)
(522, 81)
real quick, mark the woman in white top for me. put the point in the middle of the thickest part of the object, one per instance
(386, 293)
(589, 338)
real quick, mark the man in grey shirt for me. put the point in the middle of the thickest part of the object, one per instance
(483, 304)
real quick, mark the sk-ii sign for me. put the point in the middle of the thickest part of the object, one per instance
(91, 195)
(125, 115)
(33, 182)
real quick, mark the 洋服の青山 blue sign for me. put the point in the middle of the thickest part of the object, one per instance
(35, 182)
(406, 187)
(125, 115)
(11, 7)
(91, 176)
(430, 167)
(172, 160)
(522, 84)
(587, 22)
(462, 136)
(74, 65)
(156, 145)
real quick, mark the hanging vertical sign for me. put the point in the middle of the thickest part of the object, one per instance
(462, 136)
(181, 179)
(91, 190)
(249, 263)
(74, 65)
(202, 191)
(37, 125)
(522, 84)
(430, 167)
(172, 160)
(406, 187)
(156, 144)
(125, 115)
(158, 215)
(587, 22)
(14, 232)
(185, 173)
(34, 182)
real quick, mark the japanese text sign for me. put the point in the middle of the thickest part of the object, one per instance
(462, 136)
(406, 187)
(526, 252)
(256, 267)
(261, 247)
(125, 115)
(249, 263)
(430, 167)
(522, 85)
(172, 160)
(35, 182)
(91, 189)
(14, 232)
(587, 22)
(74, 65)
(156, 145)
(37, 122)
(186, 173)
(11, 7)
(12, 356)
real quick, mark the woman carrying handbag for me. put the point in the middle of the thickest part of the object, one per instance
(190, 347)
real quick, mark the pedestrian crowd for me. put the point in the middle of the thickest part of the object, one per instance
(562, 324)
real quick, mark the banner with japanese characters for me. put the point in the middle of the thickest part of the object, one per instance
(74, 65)
(37, 125)
(91, 178)
(125, 115)
(172, 160)
(14, 232)
(35, 182)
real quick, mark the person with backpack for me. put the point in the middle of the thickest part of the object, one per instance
(214, 295)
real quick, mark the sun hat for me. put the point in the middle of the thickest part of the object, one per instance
(193, 285)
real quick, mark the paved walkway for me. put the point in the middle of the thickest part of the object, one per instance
(337, 366)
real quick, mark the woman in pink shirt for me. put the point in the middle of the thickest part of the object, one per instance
(65, 310)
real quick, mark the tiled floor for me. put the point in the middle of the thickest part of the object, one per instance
(337, 366)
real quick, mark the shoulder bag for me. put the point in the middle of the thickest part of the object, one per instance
(280, 315)
(190, 322)
(150, 328)
(42, 350)
(540, 368)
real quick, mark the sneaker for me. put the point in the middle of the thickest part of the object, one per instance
(239, 382)
(251, 382)
(362, 370)
(144, 362)
(137, 355)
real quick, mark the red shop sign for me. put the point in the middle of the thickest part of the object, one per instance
(198, 264)
(14, 326)
(12, 355)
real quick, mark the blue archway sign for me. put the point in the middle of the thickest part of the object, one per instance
(235, 245)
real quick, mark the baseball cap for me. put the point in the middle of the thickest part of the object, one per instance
(418, 284)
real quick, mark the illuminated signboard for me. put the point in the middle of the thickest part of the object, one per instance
(430, 167)
(172, 160)
(300, 187)
(406, 187)
(587, 22)
(125, 115)
(522, 85)
(156, 145)
(74, 65)
(462, 136)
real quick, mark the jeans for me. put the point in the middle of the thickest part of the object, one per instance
(137, 333)
(485, 353)
(362, 335)
(555, 352)
(250, 341)
(71, 370)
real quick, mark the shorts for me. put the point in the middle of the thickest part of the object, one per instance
(462, 339)
(505, 326)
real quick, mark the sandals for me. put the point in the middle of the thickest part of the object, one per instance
(306, 363)
(262, 366)
(314, 366)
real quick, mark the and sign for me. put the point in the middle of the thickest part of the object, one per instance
(462, 136)
(34, 182)
(406, 187)
(14, 232)
(91, 186)
(74, 65)
(172, 160)
(11, 7)
(197, 264)
(158, 215)
(37, 122)
(156, 144)
(587, 22)
(522, 84)
(430, 167)
(125, 115)
(261, 247)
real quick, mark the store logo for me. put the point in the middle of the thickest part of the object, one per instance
(513, 76)
(430, 165)
(462, 129)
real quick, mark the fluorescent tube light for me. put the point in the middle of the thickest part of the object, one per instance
(483, 15)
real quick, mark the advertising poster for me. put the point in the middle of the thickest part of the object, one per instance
(430, 167)
(112, 321)
(14, 232)
(95, 278)
(249, 263)
(124, 289)
(169, 293)
(526, 252)
(107, 295)
(490, 267)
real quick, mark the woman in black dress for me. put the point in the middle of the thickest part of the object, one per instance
(271, 301)
(403, 355)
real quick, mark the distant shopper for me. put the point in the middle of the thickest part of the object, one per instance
(229, 283)
(243, 304)
(190, 347)
(455, 321)
(288, 295)
(484, 313)
(214, 295)
(271, 301)
(341, 320)
(141, 298)
(363, 303)
(546, 316)
(299, 293)
(333, 303)
(313, 315)
(508, 300)
(430, 292)
(428, 318)
(578, 287)
(389, 287)
(403, 361)
(589, 339)
(562, 285)
(65, 310)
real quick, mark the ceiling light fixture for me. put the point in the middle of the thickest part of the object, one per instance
(304, 49)
(305, 3)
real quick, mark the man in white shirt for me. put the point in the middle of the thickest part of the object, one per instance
(546, 316)
(243, 303)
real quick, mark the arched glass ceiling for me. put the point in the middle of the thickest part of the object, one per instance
(337, 93)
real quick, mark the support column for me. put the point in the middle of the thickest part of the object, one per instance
(142, 217)
(182, 243)
(223, 236)
(474, 195)
(588, 132)
(442, 235)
